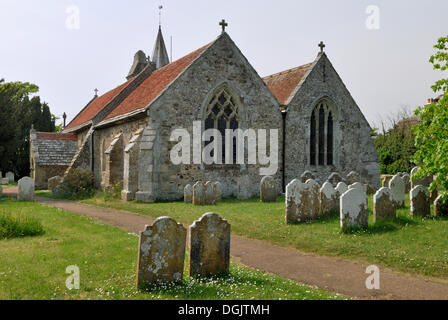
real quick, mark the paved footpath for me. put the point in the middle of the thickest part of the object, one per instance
(332, 274)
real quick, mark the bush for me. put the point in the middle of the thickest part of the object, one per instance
(15, 226)
(78, 184)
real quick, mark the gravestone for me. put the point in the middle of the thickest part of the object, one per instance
(353, 177)
(299, 202)
(4, 181)
(1, 191)
(209, 246)
(329, 200)
(369, 189)
(397, 188)
(210, 195)
(10, 176)
(420, 203)
(314, 199)
(26, 189)
(199, 194)
(341, 188)
(425, 182)
(353, 210)
(188, 194)
(243, 186)
(335, 178)
(358, 185)
(433, 195)
(385, 178)
(53, 183)
(218, 191)
(268, 189)
(407, 182)
(161, 253)
(440, 207)
(307, 175)
(383, 205)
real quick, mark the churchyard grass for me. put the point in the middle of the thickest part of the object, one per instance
(35, 267)
(407, 244)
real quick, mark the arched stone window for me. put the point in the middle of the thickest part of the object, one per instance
(322, 135)
(222, 114)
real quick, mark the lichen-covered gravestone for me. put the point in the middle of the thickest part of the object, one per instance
(299, 202)
(209, 245)
(329, 200)
(268, 189)
(407, 182)
(385, 178)
(335, 178)
(188, 193)
(441, 207)
(243, 186)
(161, 253)
(314, 199)
(26, 189)
(341, 188)
(420, 203)
(353, 177)
(199, 194)
(397, 188)
(307, 175)
(10, 176)
(210, 195)
(383, 205)
(353, 211)
(218, 191)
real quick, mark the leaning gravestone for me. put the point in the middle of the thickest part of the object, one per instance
(440, 207)
(10, 176)
(383, 205)
(407, 182)
(268, 189)
(329, 200)
(243, 186)
(397, 188)
(209, 246)
(26, 189)
(307, 175)
(161, 253)
(218, 191)
(353, 177)
(420, 204)
(188, 193)
(199, 194)
(353, 212)
(335, 178)
(210, 195)
(297, 202)
(341, 188)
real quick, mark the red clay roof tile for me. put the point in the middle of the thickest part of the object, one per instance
(284, 83)
(150, 88)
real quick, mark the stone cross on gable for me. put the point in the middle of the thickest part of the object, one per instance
(321, 46)
(96, 92)
(223, 24)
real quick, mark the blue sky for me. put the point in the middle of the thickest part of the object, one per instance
(384, 69)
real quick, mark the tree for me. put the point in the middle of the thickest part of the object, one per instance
(432, 133)
(17, 114)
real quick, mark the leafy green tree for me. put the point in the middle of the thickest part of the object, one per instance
(432, 133)
(18, 112)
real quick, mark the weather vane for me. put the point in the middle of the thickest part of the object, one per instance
(160, 15)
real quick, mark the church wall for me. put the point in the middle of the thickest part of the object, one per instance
(184, 102)
(103, 137)
(353, 149)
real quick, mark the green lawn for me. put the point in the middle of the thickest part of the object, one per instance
(34, 267)
(408, 244)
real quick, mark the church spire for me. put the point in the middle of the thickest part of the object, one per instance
(160, 55)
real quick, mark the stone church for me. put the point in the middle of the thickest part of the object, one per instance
(124, 134)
